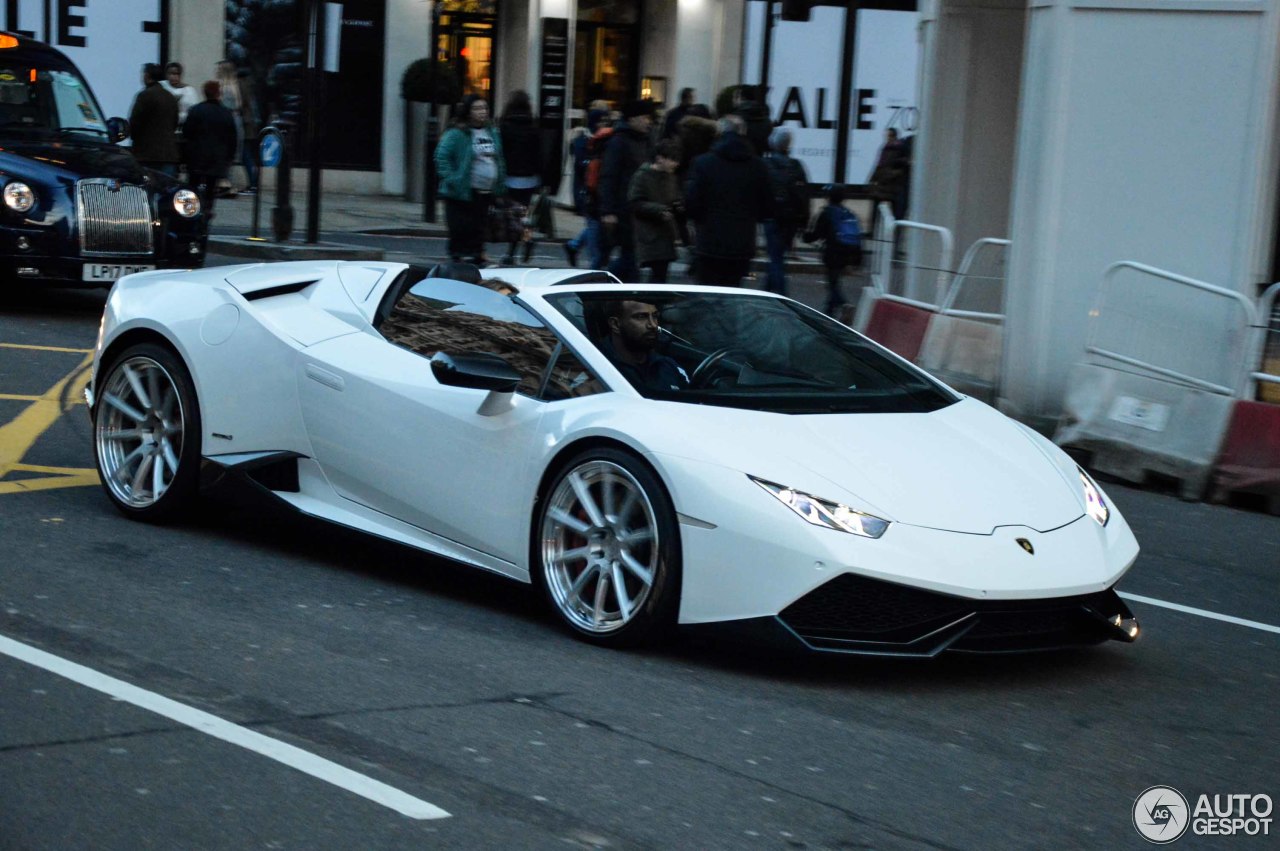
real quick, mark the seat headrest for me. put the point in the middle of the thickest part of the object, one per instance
(468, 273)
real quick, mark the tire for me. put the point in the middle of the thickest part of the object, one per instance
(606, 521)
(146, 434)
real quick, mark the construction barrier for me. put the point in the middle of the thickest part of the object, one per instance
(892, 311)
(1162, 370)
(1250, 459)
(965, 339)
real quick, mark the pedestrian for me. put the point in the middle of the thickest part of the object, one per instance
(656, 204)
(522, 145)
(237, 96)
(583, 150)
(627, 150)
(671, 123)
(729, 194)
(210, 140)
(790, 185)
(153, 123)
(888, 177)
(472, 172)
(186, 95)
(755, 115)
(840, 233)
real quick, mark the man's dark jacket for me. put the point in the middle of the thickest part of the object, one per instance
(209, 135)
(756, 117)
(729, 194)
(152, 123)
(626, 150)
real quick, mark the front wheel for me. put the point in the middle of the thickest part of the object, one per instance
(146, 434)
(608, 552)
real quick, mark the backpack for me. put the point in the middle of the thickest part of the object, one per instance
(595, 154)
(790, 192)
(846, 230)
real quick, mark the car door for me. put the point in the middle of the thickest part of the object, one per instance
(391, 437)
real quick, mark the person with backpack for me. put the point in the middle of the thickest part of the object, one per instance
(790, 185)
(627, 150)
(840, 232)
(585, 150)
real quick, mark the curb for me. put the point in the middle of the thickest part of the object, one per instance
(230, 246)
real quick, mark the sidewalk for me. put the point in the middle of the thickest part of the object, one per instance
(379, 215)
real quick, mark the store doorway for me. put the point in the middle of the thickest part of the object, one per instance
(606, 60)
(464, 39)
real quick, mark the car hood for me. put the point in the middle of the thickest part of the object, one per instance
(69, 158)
(963, 468)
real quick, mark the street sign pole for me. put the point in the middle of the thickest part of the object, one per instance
(315, 106)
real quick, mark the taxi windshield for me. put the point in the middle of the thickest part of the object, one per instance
(36, 100)
(746, 351)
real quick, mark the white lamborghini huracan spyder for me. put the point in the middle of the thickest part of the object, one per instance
(646, 455)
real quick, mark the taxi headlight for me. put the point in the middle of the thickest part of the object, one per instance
(822, 512)
(186, 203)
(19, 197)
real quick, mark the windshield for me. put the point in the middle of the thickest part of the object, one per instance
(40, 100)
(745, 351)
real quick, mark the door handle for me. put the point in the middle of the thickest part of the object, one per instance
(325, 377)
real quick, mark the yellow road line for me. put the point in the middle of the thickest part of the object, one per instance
(81, 478)
(18, 436)
(44, 348)
(18, 397)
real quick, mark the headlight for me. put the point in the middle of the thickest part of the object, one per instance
(1094, 504)
(186, 203)
(822, 512)
(19, 197)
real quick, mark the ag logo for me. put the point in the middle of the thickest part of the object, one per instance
(1161, 814)
(1026, 545)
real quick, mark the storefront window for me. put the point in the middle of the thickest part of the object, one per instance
(605, 65)
(464, 42)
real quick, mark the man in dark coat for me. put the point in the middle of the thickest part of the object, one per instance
(755, 115)
(671, 124)
(627, 150)
(209, 140)
(153, 123)
(729, 194)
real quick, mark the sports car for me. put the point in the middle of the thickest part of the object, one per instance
(645, 456)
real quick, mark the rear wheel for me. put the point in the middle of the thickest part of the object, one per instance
(147, 434)
(607, 553)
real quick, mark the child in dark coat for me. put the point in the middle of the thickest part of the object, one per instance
(834, 230)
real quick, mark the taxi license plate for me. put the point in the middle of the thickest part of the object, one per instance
(113, 271)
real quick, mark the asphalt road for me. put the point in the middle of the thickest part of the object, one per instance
(454, 688)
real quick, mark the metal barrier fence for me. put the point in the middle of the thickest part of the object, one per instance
(1142, 322)
(1266, 379)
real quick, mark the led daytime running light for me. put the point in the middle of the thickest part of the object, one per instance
(1094, 504)
(824, 513)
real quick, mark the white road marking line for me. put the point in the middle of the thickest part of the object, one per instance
(307, 763)
(1204, 613)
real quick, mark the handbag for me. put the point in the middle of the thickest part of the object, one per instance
(506, 221)
(540, 217)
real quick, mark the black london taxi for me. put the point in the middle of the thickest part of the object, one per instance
(75, 208)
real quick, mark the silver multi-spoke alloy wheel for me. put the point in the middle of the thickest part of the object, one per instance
(600, 546)
(139, 431)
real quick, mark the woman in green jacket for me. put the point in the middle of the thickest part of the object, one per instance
(472, 172)
(655, 202)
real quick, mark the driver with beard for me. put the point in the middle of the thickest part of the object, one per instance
(633, 335)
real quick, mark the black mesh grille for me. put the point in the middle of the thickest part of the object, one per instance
(853, 609)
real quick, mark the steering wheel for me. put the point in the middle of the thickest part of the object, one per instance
(703, 372)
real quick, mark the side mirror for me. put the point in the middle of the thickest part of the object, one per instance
(117, 129)
(476, 371)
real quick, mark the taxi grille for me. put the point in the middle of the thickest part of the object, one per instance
(115, 219)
